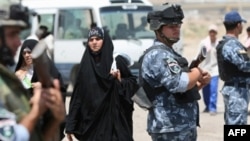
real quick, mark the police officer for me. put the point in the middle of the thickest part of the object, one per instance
(234, 70)
(14, 105)
(169, 83)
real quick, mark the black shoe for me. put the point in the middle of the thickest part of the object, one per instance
(205, 110)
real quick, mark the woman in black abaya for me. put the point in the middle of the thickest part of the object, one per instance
(101, 107)
(25, 72)
(24, 67)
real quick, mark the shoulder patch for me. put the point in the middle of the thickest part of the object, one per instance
(7, 132)
(173, 65)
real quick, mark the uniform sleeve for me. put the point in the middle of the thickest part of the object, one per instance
(19, 107)
(9, 129)
(235, 53)
(159, 68)
(14, 100)
(21, 133)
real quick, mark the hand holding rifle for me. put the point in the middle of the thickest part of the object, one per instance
(50, 92)
(201, 56)
(205, 76)
(41, 64)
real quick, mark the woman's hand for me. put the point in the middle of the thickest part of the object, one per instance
(116, 74)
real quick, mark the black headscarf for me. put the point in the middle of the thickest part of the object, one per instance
(30, 43)
(99, 103)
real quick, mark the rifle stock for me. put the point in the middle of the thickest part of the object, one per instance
(41, 64)
(201, 56)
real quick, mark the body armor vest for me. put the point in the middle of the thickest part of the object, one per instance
(186, 97)
(192, 94)
(227, 70)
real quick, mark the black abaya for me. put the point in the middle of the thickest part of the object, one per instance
(101, 107)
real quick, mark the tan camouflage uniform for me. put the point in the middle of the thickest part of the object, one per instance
(14, 97)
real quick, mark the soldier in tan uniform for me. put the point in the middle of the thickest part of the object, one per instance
(15, 109)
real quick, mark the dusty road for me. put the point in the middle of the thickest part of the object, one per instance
(211, 126)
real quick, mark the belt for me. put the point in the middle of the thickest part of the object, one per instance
(244, 85)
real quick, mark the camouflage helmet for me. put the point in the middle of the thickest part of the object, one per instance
(172, 14)
(13, 13)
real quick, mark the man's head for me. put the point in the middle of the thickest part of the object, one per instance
(212, 32)
(13, 18)
(166, 23)
(42, 32)
(233, 22)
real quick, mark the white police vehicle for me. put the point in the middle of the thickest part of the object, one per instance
(70, 20)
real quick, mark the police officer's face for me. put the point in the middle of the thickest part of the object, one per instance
(12, 38)
(171, 31)
(95, 43)
(240, 27)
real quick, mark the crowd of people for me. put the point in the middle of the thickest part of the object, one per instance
(101, 108)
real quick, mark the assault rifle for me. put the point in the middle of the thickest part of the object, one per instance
(41, 64)
(201, 56)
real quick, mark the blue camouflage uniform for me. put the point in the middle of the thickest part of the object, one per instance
(159, 68)
(236, 89)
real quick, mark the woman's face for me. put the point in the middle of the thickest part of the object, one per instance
(95, 43)
(27, 56)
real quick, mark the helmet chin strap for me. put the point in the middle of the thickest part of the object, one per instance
(169, 40)
(6, 57)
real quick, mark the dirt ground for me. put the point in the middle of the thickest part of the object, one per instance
(211, 126)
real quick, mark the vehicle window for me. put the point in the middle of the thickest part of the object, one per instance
(25, 33)
(74, 23)
(48, 20)
(126, 23)
(45, 20)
